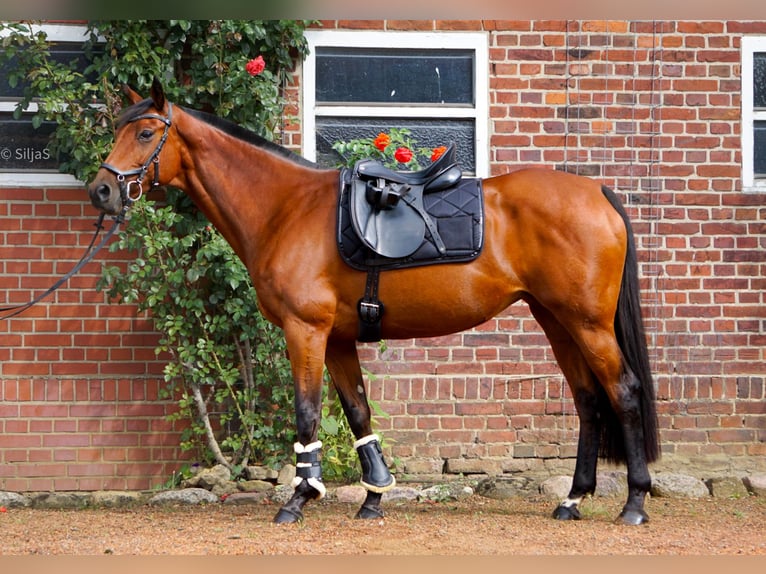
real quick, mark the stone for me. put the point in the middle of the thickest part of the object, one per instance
(61, 500)
(261, 473)
(281, 493)
(675, 485)
(445, 492)
(502, 487)
(116, 498)
(473, 466)
(13, 500)
(254, 486)
(225, 488)
(428, 466)
(286, 474)
(184, 496)
(211, 477)
(352, 494)
(556, 487)
(756, 484)
(400, 493)
(727, 487)
(612, 484)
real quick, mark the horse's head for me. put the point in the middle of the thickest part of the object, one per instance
(142, 145)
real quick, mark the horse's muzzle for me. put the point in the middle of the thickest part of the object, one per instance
(105, 196)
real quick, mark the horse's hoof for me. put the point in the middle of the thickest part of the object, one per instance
(288, 516)
(566, 513)
(368, 512)
(632, 517)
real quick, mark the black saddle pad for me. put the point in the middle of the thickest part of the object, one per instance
(458, 213)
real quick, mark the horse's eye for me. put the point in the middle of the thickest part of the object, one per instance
(146, 135)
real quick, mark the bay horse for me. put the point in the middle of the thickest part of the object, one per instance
(560, 242)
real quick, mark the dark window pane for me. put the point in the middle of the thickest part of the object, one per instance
(394, 76)
(427, 133)
(24, 148)
(61, 52)
(759, 80)
(759, 157)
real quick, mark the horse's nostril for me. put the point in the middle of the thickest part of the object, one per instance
(103, 192)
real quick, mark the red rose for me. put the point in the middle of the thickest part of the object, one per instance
(255, 66)
(438, 152)
(381, 142)
(402, 155)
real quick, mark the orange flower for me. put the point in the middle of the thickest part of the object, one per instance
(381, 142)
(438, 152)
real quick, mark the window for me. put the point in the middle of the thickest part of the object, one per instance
(24, 157)
(754, 113)
(357, 84)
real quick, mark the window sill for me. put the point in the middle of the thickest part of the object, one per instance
(38, 180)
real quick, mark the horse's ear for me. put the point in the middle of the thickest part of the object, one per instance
(133, 97)
(158, 95)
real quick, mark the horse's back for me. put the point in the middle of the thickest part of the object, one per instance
(544, 212)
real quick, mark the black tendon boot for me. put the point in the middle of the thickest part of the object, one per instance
(375, 474)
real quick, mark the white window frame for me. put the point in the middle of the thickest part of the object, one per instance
(479, 113)
(749, 46)
(32, 179)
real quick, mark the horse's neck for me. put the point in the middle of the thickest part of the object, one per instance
(241, 188)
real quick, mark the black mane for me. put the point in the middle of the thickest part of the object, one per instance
(226, 126)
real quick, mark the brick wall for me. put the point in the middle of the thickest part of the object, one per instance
(79, 380)
(651, 110)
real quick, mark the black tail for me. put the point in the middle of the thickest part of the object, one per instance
(629, 328)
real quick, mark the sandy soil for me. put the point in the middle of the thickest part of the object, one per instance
(475, 526)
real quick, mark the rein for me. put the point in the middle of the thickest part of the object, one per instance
(127, 201)
(90, 253)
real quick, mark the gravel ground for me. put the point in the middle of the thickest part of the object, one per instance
(473, 526)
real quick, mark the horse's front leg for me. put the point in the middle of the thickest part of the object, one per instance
(343, 365)
(306, 345)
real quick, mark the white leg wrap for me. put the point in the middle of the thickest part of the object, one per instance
(300, 449)
(314, 482)
(570, 502)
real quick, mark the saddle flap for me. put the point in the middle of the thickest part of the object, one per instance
(388, 232)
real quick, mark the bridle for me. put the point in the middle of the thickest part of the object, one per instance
(127, 201)
(140, 172)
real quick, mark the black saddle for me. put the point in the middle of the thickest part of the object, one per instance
(387, 208)
(441, 174)
(394, 220)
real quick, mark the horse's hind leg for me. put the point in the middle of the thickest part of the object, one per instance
(611, 416)
(343, 364)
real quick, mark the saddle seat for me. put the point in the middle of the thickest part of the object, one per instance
(387, 205)
(441, 174)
